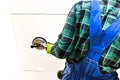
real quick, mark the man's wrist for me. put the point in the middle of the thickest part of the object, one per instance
(48, 49)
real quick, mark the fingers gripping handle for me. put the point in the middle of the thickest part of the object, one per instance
(38, 42)
(33, 46)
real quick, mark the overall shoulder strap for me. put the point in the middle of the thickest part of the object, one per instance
(95, 32)
(95, 21)
(108, 36)
(99, 40)
(111, 32)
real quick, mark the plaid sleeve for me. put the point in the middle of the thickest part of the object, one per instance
(63, 46)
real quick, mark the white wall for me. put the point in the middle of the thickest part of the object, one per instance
(26, 28)
(10, 64)
(28, 23)
(44, 6)
(8, 54)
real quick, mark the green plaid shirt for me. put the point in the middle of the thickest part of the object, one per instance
(73, 42)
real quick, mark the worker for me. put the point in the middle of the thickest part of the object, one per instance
(90, 41)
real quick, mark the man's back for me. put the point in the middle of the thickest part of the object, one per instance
(76, 35)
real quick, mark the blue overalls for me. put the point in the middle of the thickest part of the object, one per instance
(88, 68)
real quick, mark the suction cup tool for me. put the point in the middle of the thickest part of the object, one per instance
(39, 42)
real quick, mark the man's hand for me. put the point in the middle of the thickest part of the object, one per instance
(39, 43)
(38, 46)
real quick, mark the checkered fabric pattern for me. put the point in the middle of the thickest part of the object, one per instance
(73, 42)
